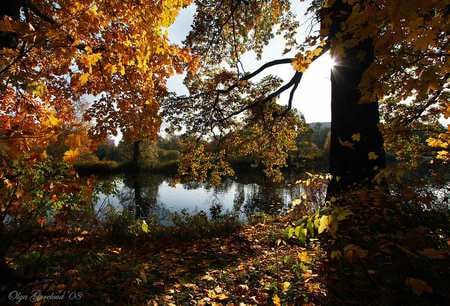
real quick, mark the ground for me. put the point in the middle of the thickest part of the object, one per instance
(379, 255)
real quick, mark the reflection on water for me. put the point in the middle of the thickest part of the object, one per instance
(151, 196)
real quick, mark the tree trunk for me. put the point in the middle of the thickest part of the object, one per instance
(136, 152)
(138, 200)
(354, 159)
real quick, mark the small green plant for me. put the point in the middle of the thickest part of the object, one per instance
(124, 226)
(310, 226)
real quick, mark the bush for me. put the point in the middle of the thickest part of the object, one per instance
(124, 227)
(98, 166)
(168, 155)
(198, 226)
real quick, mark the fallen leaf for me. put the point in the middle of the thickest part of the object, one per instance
(276, 300)
(304, 257)
(207, 277)
(286, 286)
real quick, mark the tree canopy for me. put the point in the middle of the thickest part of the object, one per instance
(55, 53)
(407, 72)
(75, 73)
(118, 53)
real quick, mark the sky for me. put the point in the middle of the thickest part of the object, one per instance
(313, 96)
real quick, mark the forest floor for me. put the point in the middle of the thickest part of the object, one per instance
(380, 255)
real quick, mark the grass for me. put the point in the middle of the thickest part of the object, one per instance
(123, 227)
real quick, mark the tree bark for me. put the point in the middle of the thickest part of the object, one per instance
(352, 160)
(138, 200)
(136, 152)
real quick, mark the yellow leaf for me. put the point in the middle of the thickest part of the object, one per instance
(37, 89)
(222, 296)
(43, 155)
(71, 155)
(356, 137)
(418, 286)
(113, 69)
(323, 223)
(51, 121)
(92, 59)
(341, 214)
(207, 277)
(276, 300)
(372, 156)
(219, 296)
(93, 10)
(84, 77)
(286, 286)
(296, 202)
(304, 257)
(144, 227)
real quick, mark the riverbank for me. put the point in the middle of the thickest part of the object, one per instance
(377, 251)
(244, 266)
(170, 167)
(113, 167)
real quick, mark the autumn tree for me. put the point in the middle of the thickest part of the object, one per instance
(383, 49)
(54, 54)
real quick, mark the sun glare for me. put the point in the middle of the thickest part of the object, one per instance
(329, 61)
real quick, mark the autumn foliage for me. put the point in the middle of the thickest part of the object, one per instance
(55, 55)
(73, 73)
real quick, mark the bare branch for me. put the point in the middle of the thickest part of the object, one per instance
(256, 72)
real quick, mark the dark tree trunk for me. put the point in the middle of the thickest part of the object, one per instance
(138, 200)
(136, 152)
(352, 160)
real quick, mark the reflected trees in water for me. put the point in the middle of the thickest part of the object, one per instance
(144, 196)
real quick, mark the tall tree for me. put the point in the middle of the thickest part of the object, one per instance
(383, 49)
(356, 146)
(53, 53)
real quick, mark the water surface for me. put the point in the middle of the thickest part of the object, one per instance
(150, 195)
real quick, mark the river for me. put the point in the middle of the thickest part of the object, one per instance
(151, 195)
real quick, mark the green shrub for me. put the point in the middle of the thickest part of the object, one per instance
(168, 155)
(123, 226)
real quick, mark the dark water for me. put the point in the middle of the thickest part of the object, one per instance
(150, 195)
